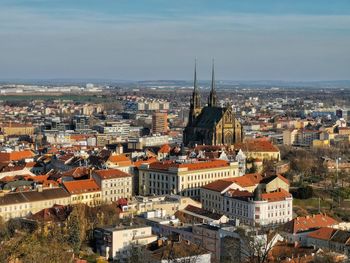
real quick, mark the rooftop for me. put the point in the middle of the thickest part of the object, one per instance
(306, 223)
(111, 174)
(81, 186)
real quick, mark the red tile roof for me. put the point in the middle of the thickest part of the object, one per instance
(305, 223)
(111, 174)
(81, 186)
(218, 186)
(165, 149)
(77, 172)
(148, 161)
(15, 155)
(57, 213)
(243, 181)
(324, 233)
(276, 196)
(238, 194)
(120, 159)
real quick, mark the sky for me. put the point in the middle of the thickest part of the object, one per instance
(291, 40)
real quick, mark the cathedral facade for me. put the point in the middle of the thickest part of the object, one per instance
(211, 124)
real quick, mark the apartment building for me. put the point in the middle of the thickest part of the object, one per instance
(261, 209)
(114, 184)
(168, 203)
(17, 129)
(84, 192)
(183, 178)
(20, 204)
(261, 149)
(120, 162)
(251, 199)
(159, 122)
(116, 242)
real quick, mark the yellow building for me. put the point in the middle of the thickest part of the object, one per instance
(20, 204)
(261, 149)
(275, 182)
(84, 192)
(17, 129)
(320, 143)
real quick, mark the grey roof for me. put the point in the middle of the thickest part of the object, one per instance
(208, 117)
(341, 237)
(33, 196)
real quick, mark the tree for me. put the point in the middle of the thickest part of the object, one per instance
(248, 245)
(73, 228)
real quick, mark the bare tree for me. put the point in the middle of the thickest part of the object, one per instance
(248, 246)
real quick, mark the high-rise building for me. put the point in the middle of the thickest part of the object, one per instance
(159, 122)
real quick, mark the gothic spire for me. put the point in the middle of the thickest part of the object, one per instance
(195, 76)
(196, 99)
(212, 96)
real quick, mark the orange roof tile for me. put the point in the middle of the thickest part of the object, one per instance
(120, 159)
(148, 161)
(164, 149)
(324, 233)
(276, 196)
(16, 155)
(81, 186)
(77, 172)
(305, 223)
(243, 181)
(111, 174)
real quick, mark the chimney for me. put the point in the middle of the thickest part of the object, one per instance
(39, 188)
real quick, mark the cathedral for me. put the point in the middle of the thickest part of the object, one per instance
(211, 124)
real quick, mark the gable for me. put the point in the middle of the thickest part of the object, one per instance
(208, 117)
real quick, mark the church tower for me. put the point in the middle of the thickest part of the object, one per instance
(212, 100)
(195, 105)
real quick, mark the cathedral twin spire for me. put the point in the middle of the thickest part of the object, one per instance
(196, 99)
(212, 96)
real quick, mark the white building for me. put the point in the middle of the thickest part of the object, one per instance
(117, 242)
(173, 177)
(114, 184)
(262, 209)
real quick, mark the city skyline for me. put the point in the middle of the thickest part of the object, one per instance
(149, 40)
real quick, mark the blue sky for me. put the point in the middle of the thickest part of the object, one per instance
(159, 39)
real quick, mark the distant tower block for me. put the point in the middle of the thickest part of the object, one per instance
(159, 123)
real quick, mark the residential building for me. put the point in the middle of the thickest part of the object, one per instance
(17, 129)
(327, 238)
(168, 203)
(120, 162)
(84, 192)
(147, 141)
(259, 149)
(114, 184)
(250, 199)
(181, 251)
(296, 230)
(159, 123)
(116, 242)
(20, 204)
(258, 208)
